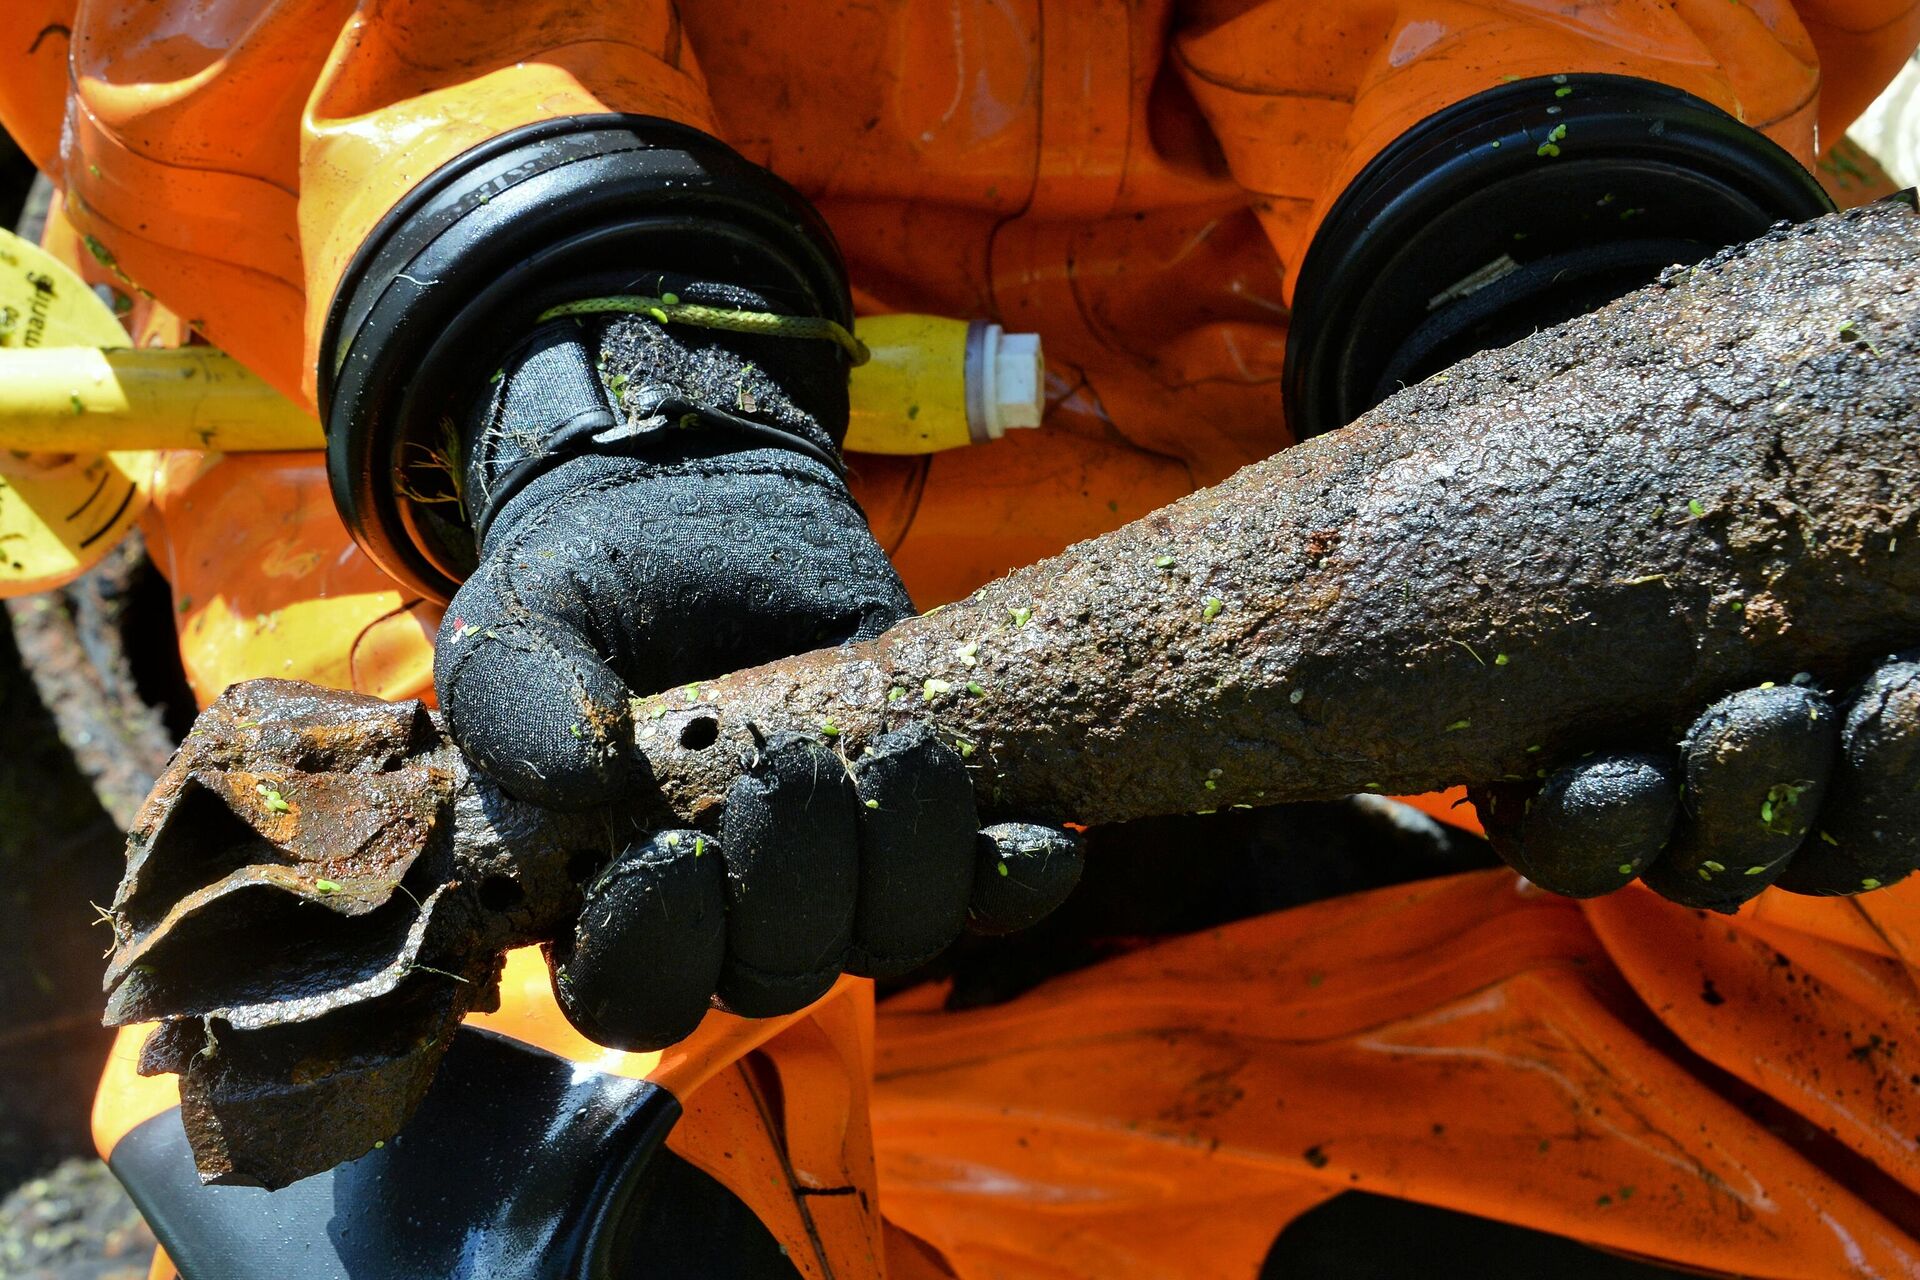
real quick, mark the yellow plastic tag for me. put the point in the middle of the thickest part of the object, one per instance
(59, 513)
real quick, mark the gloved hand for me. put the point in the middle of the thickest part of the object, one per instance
(657, 504)
(1773, 785)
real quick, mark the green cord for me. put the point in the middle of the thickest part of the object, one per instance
(668, 309)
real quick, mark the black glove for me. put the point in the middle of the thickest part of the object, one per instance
(622, 551)
(1773, 785)
(818, 869)
(658, 504)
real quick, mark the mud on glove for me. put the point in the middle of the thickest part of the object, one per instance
(657, 504)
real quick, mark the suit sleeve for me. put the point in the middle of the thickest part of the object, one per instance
(34, 38)
(1302, 97)
(228, 157)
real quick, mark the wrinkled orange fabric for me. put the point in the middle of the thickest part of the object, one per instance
(1469, 1042)
(1138, 183)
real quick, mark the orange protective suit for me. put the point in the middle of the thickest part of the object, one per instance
(1137, 182)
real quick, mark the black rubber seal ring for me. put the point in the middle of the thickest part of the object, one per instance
(1487, 179)
(463, 265)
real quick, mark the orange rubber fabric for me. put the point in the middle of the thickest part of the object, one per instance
(1137, 182)
(230, 157)
(267, 583)
(1467, 1042)
(775, 1110)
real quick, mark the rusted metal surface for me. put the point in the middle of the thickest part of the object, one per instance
(1577, 541)
(316, 892)
(1584, 538)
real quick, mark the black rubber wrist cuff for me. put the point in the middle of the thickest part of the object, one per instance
(1511, 210)
(464, 265)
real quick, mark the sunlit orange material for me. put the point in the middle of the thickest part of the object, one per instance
(732, 1130)
(1337, 110)
(232, 156)
(126, 1099)
(410, 84)
(267, 583)
(776, 1109)
(1469, 1042)
(1449, 806)
(1861, 44)
(1464, 1042)
(1810, 1001)
(1138, 183)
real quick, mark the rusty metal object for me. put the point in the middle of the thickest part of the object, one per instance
(1580, 539)
(316, 892)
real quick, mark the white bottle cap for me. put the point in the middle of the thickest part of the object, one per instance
(1008, 374)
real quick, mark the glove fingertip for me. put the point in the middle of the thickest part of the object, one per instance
(537, 712)
(757, 993)
(1757, 766)
(1590, 829)
(918, 823)
(1022, 871)
(791, 840)
(647, 948)
(1867, 836)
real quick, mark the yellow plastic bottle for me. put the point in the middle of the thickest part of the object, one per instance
(933, 383)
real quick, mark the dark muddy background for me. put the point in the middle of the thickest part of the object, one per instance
(62, 1217)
